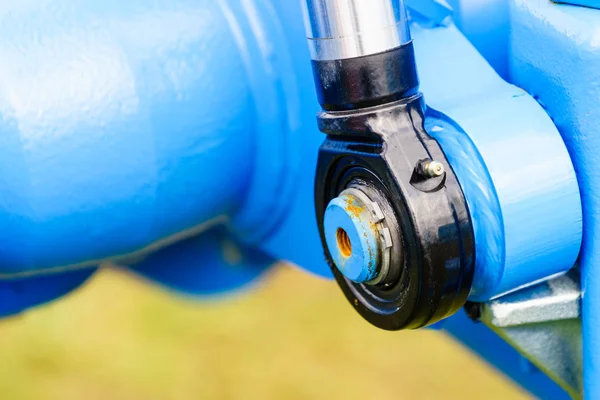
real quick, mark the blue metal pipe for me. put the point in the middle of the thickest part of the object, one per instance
(120, 134)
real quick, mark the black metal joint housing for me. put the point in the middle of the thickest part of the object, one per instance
(383, 148)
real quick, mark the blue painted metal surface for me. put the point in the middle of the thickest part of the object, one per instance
(432, 12)
(516, 173)
(471, 156)
(351, 238)
(116, 130)
(121, 136)
(17, 295)
(210, 264)
(296, 238)
(585, 3)
(485, 23)
(566, 80)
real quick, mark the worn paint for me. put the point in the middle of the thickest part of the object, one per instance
(348, 213)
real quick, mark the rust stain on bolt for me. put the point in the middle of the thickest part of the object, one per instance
(354, 209)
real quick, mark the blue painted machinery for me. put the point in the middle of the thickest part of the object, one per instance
(454, 185)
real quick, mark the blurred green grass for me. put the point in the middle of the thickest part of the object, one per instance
(294, 337)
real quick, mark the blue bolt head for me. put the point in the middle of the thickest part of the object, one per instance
(351, 226)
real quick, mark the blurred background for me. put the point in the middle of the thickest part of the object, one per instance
(292, 337)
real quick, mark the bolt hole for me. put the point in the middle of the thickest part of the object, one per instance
(344, 243)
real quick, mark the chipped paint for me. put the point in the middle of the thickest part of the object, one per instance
(352, 214)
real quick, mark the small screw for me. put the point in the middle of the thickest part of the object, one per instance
(432, 169)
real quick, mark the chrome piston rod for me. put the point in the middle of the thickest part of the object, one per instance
(342, 29)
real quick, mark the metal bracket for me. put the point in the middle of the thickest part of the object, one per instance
(543, 322)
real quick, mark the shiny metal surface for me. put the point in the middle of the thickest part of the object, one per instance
(543, 322)
(340, 29)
